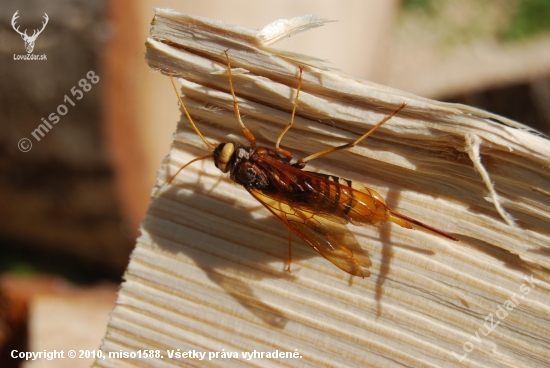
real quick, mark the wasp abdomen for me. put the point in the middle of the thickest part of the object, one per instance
(343, 198)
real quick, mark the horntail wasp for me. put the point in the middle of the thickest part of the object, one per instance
(316, 207)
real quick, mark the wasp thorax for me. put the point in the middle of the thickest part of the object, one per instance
(223, 155)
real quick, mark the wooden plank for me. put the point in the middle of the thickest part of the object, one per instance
(207, 274)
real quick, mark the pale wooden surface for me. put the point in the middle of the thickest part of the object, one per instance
(207, 273)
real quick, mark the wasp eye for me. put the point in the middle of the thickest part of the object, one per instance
(225, 157)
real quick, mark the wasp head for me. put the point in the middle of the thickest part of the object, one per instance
(224, 156)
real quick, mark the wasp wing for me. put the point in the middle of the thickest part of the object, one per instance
(328, 237)
(342, 203)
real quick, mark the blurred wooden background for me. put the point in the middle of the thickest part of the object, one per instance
(71, 206)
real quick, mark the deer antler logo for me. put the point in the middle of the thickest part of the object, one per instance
(29, 40)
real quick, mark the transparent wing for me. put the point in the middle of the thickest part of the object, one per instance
(329, 237)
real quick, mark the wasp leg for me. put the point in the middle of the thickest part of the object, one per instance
(289, 250)
(350, 145)
(284, 152)
(246, 132)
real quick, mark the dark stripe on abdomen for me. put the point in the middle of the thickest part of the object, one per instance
(336, 201)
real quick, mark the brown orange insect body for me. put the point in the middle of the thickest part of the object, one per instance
(313, 206)
(343, 199)
(265, 170)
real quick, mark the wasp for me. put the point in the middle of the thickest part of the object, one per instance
(314, 206)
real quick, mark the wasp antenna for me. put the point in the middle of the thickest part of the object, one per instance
(187, 164)
(210, 145)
